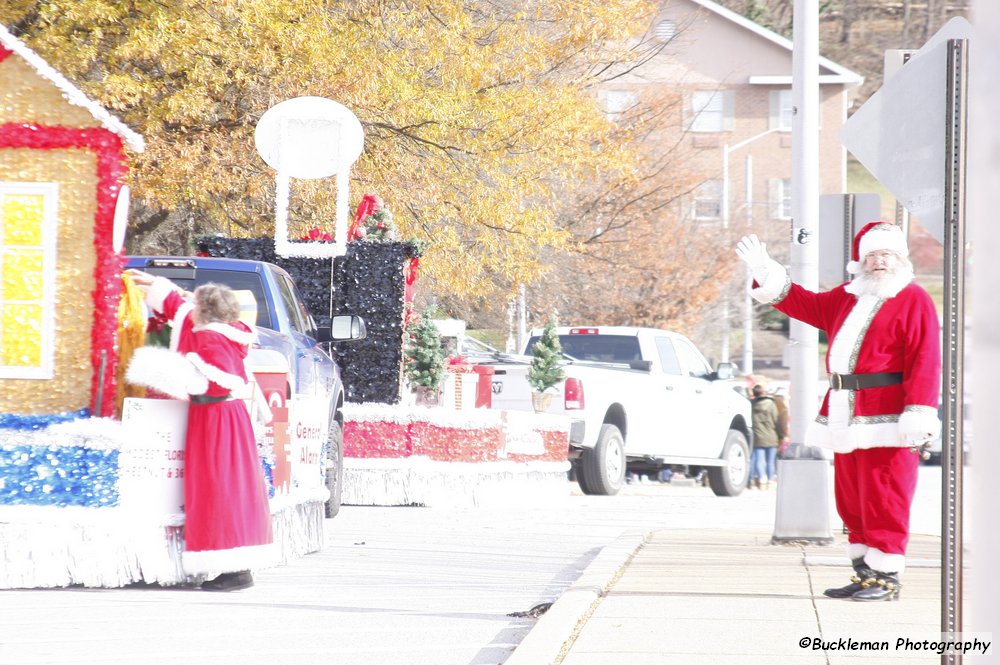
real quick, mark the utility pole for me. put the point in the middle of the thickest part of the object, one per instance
(803, 338)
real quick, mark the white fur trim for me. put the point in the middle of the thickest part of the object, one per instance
(848, 335)
(856, 551)
(158, 291)
(177, 323)
(229, 381)
(888, 237)
(884, 562)
(232, 333)
(918, 424)
(858, 435)
(165, 371)
(773, 285)
(216, 562)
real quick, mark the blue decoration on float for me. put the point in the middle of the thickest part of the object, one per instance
(58, 476)
(268, 467)
(36, 422)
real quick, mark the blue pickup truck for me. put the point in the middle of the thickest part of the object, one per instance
(315, 393)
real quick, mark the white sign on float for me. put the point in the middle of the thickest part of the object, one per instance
(309, 138)
(151, 463)
(308, 427)
(899, 133)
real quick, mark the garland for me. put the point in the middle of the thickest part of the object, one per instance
(111, 173)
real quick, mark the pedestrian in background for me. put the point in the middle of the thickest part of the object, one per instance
(768, 432)
(884, 365)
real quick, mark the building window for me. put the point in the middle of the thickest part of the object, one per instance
(708, 200)
(617, 102)
(665, 30)
(781, 198)
(782, 111)
(712, 111)
(27, 279)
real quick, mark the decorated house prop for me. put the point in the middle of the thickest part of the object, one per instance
(62, 171)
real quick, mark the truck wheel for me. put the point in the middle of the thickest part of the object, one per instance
(578, 476)
(731, 480)
(334, 467)
(602, 468)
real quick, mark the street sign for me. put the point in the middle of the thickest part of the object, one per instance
(899, 133)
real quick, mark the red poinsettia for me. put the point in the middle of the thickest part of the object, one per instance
(315, 235)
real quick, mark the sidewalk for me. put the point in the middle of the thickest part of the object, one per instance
(697, 597)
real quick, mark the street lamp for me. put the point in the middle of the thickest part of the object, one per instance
(748, 301)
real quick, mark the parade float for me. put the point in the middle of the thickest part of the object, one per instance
(91, 472)
(398, 452)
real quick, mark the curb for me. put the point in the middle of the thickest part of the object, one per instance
(544, 644)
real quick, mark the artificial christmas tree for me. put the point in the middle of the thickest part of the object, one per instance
(546, 367)
(425, 359)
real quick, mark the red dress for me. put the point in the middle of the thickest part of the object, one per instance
(227, 517)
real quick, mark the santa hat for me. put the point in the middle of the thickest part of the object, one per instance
(875, 236)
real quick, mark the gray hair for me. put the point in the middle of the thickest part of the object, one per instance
(216, 303)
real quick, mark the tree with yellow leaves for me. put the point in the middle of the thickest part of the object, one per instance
(478, 114)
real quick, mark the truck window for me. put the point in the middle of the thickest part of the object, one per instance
(668, 357)
(598, 348)
(692, 362)
(246, 284)
(291, 305)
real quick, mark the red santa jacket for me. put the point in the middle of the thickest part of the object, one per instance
(214, 353)
(869, 334)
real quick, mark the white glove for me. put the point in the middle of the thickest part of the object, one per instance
(754, 253)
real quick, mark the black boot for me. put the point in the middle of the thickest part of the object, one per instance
(862, 578)
(886, 587)
(229, 582)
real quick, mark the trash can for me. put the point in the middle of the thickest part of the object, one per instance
(803, 502)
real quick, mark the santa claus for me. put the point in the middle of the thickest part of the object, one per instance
(884, 365)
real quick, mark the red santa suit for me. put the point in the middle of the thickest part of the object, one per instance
(886, 327)
(227, 518)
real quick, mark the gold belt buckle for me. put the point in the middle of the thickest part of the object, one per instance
(836, 382)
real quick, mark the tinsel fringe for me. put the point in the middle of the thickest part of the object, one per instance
(418, 481)
(69, 549)
(454, 419)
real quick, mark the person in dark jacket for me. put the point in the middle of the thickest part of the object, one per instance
(768, 431)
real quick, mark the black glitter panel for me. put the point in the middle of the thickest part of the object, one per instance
(368, 281)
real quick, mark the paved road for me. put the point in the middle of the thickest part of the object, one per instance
(394, 586)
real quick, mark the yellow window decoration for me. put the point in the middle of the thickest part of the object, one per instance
(27, 279)
(22, 335)
(22, 217)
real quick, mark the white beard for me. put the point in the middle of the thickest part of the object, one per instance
(886, 286)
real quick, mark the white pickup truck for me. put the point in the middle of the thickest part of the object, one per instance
(641, 398)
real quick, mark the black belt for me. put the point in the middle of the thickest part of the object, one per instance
(861, 381)
(208, 399)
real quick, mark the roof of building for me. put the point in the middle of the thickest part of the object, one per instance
(838, 73)
(72, 94)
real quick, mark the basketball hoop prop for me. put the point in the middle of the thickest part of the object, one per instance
(309, 138)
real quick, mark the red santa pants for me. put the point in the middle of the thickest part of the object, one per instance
(874, 488)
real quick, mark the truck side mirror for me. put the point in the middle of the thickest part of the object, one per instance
(342, 328)
(641, 365)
